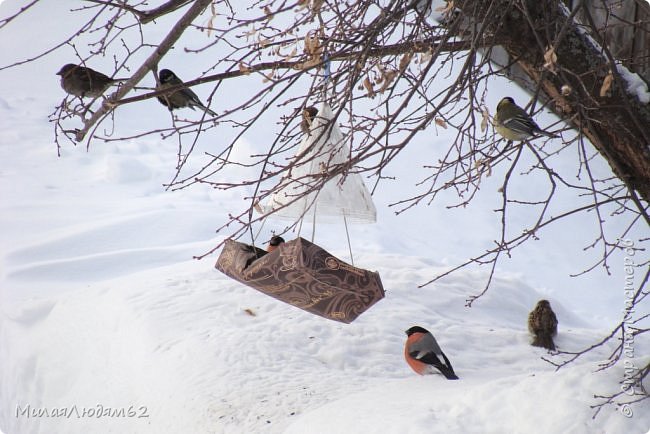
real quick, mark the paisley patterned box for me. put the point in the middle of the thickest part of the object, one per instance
(304, 275)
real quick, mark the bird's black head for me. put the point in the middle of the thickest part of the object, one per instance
(509, 99)
(165, 75)
(416, 329)
(66, 69)
(276, 240)
(544, 303)
(312, 111)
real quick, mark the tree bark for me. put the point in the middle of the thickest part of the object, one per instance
(616, 122)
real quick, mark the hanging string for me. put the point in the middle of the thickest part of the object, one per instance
(258, 232)
(327, 73)
(327, 67)
(347, 234)
(300, 225)
(313, 227)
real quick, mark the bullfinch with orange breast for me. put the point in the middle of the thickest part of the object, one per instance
(423, 354)
(276, 240)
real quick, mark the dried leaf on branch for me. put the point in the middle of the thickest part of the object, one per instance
(244, 69)
(606, 88)
(550, 60)
(404, 62)
(367, 84)
(485, 118)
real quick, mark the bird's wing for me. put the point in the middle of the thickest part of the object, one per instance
(189, 93)
(90, 75)
(550, 319)
(83, 75)
(521, 123)
(426, 357)
(443, 365)
(195, 101)
(425, 345)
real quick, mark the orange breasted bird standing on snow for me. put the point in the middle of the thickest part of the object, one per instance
(423, 354)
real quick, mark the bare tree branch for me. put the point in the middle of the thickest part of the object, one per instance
(149, 65)
(148, 15)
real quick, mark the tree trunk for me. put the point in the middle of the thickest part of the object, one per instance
(615, 121)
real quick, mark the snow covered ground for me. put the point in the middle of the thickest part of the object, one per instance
(103, 310)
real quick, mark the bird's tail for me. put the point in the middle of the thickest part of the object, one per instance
(449, 374)
(210, 112)
(447, 370)
(544, 340)
(547, 134)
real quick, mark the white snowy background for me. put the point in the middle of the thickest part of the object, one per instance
(102, 305)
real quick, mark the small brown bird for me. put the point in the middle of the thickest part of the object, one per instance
(276, 240)
(183, 97)
(84, 82)
(542, 324)
(308, 116)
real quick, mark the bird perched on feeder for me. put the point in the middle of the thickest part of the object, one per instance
(84, 82)
(180, 98)
(542, 324)
(276, 240)
(308, 115)
(423, 354)
(513, 123)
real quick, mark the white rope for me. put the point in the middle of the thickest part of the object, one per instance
(300, 224)
(313, 224)
(347, 234)
(259, 231)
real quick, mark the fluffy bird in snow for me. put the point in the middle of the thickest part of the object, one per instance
(83, 82)
(542, 324)
(513, 123)
(308, 116)
(423, 354)
(276, 240)
(183, 97)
